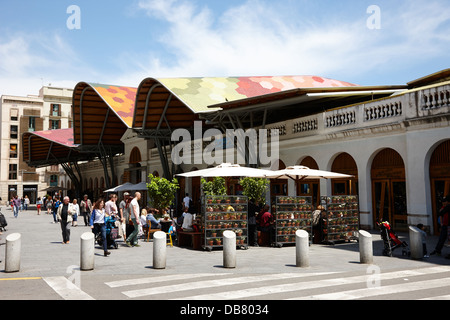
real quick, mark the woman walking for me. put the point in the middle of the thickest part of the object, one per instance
(97, 223)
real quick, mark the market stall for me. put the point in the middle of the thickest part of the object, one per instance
(225, 213)
(292, 214)
(340, 219)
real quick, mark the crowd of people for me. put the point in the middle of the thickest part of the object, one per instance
(129, 222)
(108, 219)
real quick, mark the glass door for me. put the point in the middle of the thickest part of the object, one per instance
(389, 202)
(440, 189)
(380, 200)
(398, 204)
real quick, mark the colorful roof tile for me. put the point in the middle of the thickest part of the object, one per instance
(62, 136)
(200, 93)
(121, 100)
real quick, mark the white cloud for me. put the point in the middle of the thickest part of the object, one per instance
(28, 61)
(255, 39)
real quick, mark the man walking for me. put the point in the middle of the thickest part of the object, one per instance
(132, 239)
(64, 214)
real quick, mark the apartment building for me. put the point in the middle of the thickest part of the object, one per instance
(49, 110)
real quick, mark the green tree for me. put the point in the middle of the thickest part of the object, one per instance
(215, 187)
(161, 192)
(255, 188)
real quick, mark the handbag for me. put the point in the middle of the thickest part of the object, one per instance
(114, 233)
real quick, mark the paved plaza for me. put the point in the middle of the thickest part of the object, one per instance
(45, 260)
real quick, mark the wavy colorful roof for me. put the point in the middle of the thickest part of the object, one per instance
(200, 93)
(63, 137)
(121, 99)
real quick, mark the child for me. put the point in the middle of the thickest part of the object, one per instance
(424, 239)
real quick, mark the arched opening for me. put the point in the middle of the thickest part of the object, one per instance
(440, 177)
(278, 187)
(135, 168)
(344, 163)
(309, 187)
(389, 189)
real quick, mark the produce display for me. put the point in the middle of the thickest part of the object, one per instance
(342, 218)
(225, 213)
(292, 214)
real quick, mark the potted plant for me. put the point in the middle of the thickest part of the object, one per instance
(215, 187)
(218, 241)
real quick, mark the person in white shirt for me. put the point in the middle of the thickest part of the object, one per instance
(76, 212)
(110, 206)
(187, 221)
(186, 201)
(132, 239)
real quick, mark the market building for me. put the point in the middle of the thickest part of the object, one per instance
(393, 139)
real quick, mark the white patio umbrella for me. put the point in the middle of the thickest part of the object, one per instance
(122, 187)
(298, 173)
(227, 170)
(141, 186)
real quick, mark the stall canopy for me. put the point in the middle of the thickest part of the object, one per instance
(228, 170)
(299, 173)
(142, 186)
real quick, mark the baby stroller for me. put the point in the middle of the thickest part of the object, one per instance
(3, 222)
(390, 240)
(112, 233)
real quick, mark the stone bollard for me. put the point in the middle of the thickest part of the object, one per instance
(159, 250)
(415, 243)
(229, 249)
(12, 255)
(365, 247)
(302, 248)
(87, 251)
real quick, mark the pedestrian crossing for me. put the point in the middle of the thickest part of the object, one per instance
(399, 284)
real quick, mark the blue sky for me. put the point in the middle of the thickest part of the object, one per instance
(123, 42)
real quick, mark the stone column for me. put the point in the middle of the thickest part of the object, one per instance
(415, 243)
(87, 251)
(12, 255)
(302, 248)
(229, 249)
(159, 250)
(365, 247)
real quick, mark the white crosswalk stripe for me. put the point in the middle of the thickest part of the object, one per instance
(196, 285)
(302, 286)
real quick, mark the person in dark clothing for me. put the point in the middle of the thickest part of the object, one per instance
(265, 223)
(444, 215)
(253, 210)
(64, 215)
